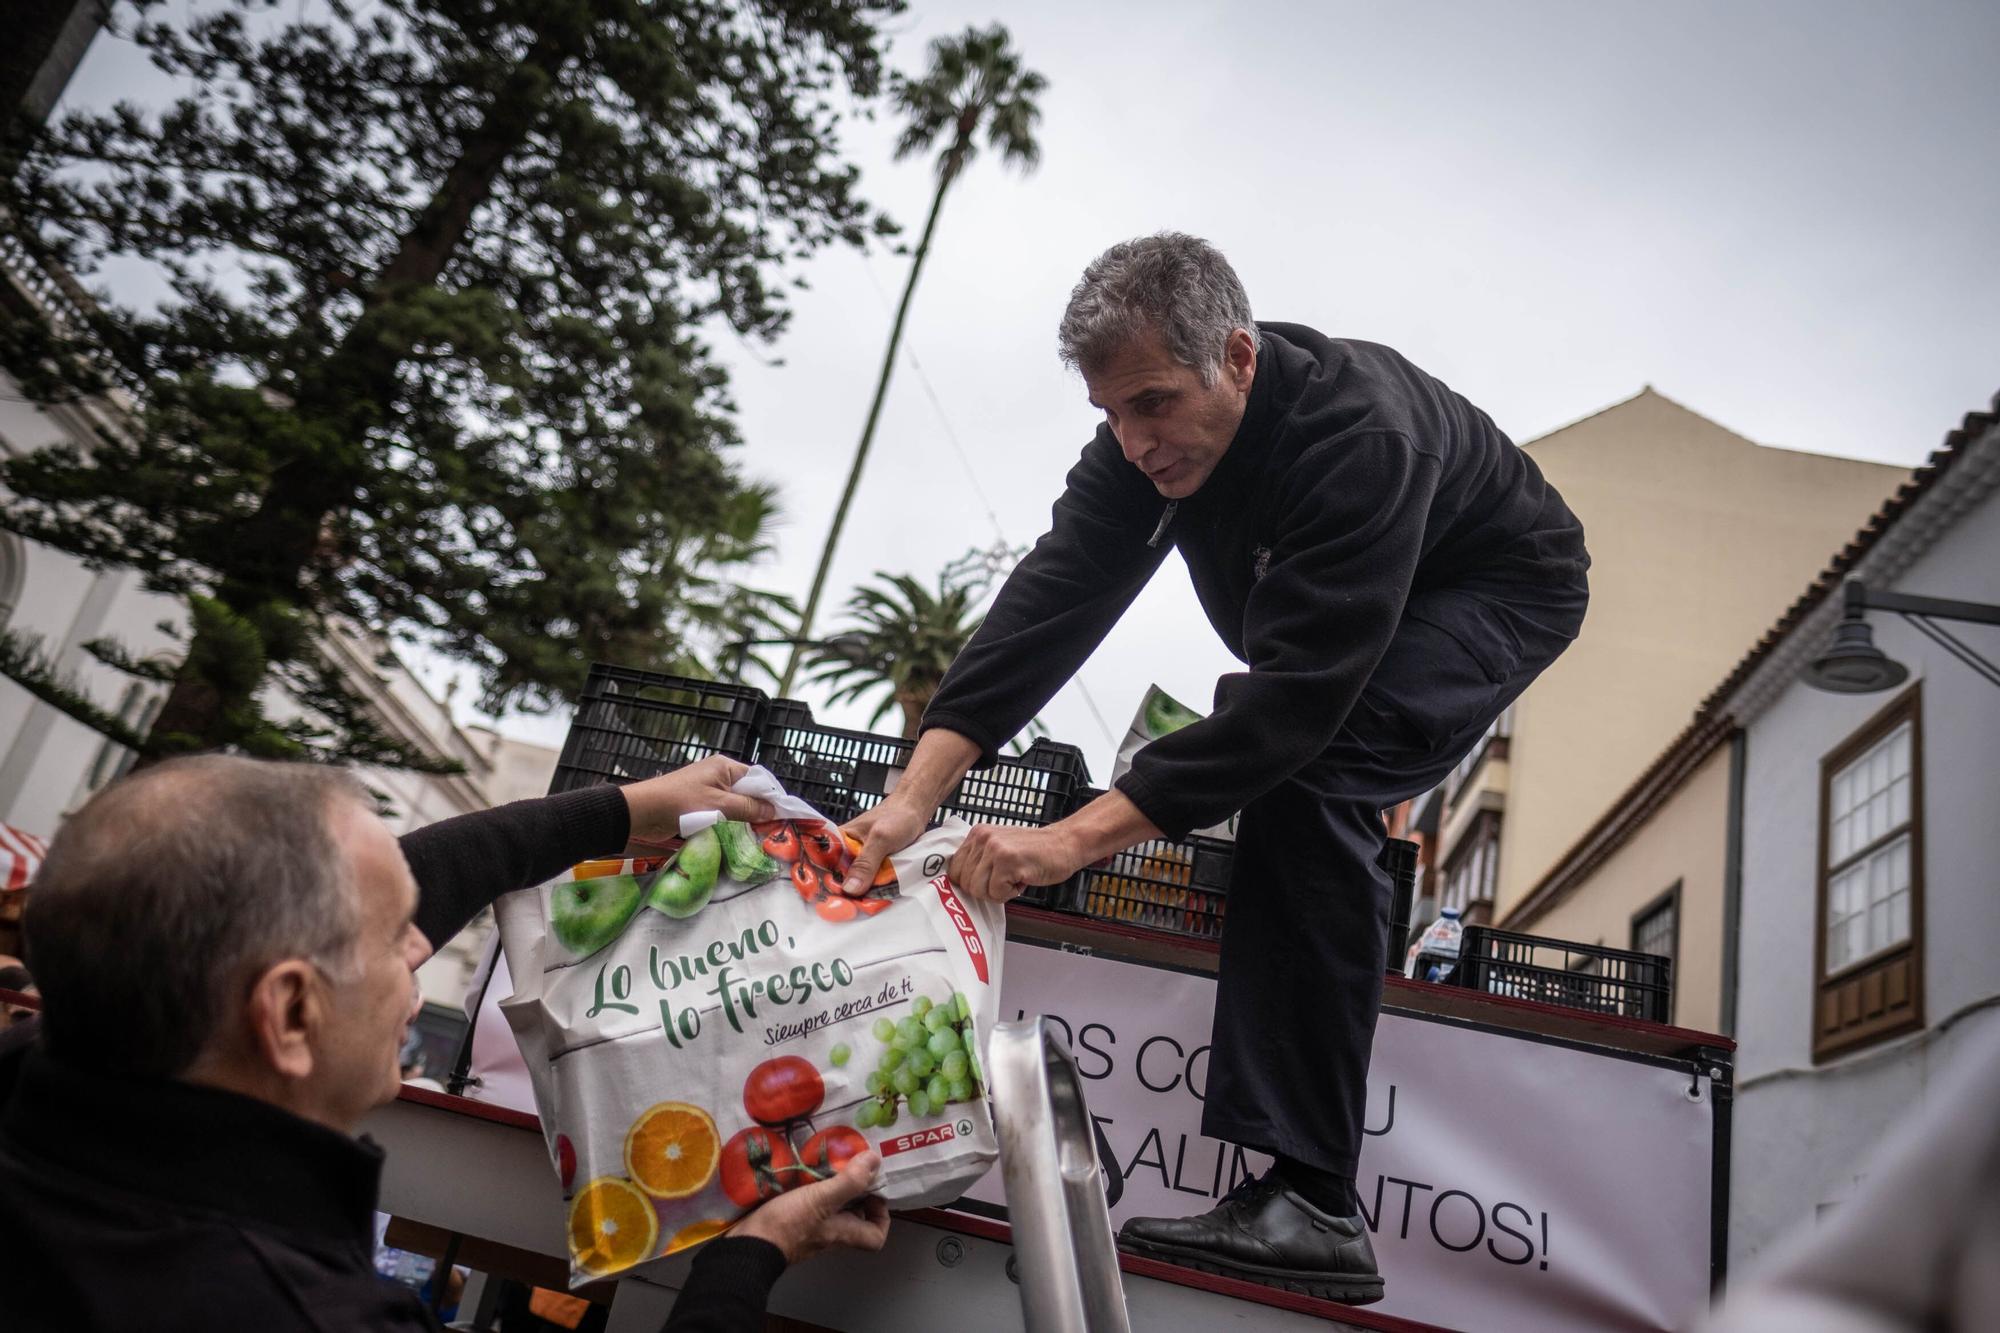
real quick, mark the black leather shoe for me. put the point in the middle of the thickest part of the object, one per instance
(1264, 1232)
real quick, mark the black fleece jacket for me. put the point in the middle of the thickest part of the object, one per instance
(1354, 481)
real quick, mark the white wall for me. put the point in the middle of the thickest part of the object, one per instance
(45, 757)
(1802, 1133)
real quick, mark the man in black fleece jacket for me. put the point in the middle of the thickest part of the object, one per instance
(227, 950)
(1392, 570)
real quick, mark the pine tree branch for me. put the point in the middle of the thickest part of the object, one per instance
(114, 655)
(23, 661)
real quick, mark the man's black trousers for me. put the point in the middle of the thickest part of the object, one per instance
(1306, 931)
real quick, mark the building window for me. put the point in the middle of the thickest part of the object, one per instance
(1474, 865)
(1657, 928)
(1870, 982)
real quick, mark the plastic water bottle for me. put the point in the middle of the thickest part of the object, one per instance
(1437, 951)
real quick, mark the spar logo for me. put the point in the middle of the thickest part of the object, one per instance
(963, 920)
(926, 1138)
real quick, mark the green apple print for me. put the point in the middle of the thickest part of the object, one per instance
(1164, 715)
(587, 914)
(689, 882)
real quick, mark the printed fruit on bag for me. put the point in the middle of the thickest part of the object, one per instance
(830, 1149)
(783, 1091)
(689, 883)
(754, 1032)
(671, 1150)
(1165, 715)
(587, 914)
(694, 1233)
(832, 905)
(884, 876)
(823, 846)
(780, 840)
(757, 1165)
(744, 855)
(611, 1226)
(675, 895)
(928, 1061)
(565, 1161)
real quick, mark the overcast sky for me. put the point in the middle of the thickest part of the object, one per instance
(1782, 215)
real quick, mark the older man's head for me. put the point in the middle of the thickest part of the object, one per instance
(233, 922)
(1161, 330)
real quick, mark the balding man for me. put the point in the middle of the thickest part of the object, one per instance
(226, 950)
(1392, 572)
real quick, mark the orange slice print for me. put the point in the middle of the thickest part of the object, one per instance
(611, 1226)
(694, 1233)
(672, 1150)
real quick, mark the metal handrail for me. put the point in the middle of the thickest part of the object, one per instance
(1055, 1189)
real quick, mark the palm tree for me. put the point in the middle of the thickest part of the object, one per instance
(975, 81)
(903, 636)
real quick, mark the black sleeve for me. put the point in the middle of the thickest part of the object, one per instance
(462, 864)
(1058, 604)
(1314, 627)
(727, 1287)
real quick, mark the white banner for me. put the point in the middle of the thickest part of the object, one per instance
(1510, 1184)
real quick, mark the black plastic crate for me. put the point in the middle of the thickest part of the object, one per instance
(842, 773)
(1035, 788)
(839, 773)
(1177, 885)
(636, 724)
(1576, 976)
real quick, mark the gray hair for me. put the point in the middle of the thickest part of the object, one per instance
(1173, 285)
(165, 897)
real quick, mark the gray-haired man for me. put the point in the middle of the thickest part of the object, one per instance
(1392, 571)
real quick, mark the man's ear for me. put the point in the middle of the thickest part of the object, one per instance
(284, 1013)
(1239, 359)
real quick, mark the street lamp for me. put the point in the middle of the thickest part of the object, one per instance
(1852, 664)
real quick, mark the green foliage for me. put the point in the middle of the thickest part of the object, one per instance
(24, 661)
(429, 359)
(974, 81)
(902, 637)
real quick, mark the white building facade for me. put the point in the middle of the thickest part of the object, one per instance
(1869, 914)
(50, 764)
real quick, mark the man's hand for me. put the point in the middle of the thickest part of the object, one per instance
(657, 804)
(882, 832)
(998, 862)
(936, 766)
(824, 1215)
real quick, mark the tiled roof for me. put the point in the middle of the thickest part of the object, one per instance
(1712, 723)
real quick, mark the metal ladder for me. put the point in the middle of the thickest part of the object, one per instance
(1067, 1258)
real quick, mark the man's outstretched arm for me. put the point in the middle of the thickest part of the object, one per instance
(462, 864)
(998, 861)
